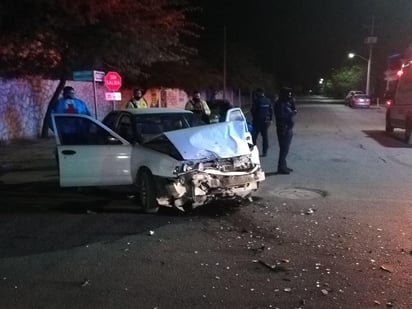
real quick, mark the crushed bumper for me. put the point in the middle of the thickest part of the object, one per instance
(201, 187)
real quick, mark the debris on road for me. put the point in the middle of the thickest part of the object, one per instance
(85, 283)
(310, 211)
(275, 267)
(387, 268)
(151, 233)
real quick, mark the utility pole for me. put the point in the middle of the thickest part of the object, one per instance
(224, 62)
(370, 40)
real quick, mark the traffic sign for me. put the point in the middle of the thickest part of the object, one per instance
(86, 76)
(98, 76)
(112, 81)
(113, 96)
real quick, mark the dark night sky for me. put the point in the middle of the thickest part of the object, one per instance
(302, 40)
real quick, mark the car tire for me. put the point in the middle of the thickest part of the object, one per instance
(388, 126)
(408, 132)
(147, 191)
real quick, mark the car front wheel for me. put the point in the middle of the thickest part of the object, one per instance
(408, 132)
(147, 191)
(388, 126)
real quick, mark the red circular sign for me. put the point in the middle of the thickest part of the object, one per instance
(112, 81)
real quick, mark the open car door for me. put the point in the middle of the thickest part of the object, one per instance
(89, 153)
(236, 114)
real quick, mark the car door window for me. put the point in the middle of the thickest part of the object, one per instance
(124, 128)
(235, 116)
(82, 131)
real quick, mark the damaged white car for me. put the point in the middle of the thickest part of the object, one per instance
(170, 162)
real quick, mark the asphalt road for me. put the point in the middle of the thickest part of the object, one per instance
(336, 233)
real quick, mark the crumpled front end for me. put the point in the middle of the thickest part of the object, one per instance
(199, 183)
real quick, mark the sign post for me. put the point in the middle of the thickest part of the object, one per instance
(90, 76)
(113, 82)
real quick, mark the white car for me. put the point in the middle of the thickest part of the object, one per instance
(351, 94)
(156, 149)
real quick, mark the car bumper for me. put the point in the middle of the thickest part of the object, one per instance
(201, 187)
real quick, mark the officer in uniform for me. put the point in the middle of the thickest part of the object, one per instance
(285, 111)
(262, 118)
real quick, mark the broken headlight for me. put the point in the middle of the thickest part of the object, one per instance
(187, 167)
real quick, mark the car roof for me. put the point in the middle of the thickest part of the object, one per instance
(154, 110)
(361, 95)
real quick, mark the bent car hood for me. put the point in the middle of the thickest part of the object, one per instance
(220, 140)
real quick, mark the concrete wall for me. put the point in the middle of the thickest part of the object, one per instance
(23, 103)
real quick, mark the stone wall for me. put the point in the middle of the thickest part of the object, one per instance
(23, 103)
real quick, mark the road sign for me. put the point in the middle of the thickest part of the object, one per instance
(371, 40)
(112, 81)
(98, 76)
(113, 96)
(83, 76)
(88, 76)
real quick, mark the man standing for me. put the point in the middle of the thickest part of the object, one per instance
(137, 101)
(199, 108)
(262, 118)
(69, 104)
(285, 110)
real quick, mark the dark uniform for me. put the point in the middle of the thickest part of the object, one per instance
(262, 117)
(285, 110)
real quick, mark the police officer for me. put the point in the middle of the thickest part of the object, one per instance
(262, 118)
(285, 111)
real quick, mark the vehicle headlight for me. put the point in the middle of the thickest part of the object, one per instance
(183, 168)
(200, 166)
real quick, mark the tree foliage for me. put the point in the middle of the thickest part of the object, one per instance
(56, 37)
(45, 36)
(345, 79)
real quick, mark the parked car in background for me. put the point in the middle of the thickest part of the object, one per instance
(360, 100)
(157, 150)
(350, 95)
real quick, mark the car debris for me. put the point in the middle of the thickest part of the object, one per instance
(275, 267)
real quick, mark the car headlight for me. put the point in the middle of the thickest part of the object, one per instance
(183, 168)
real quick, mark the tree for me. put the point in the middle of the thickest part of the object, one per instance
(345, 79)
(55, 37)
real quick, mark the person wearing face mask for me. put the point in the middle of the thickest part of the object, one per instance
(199, 108)
(137, 101)
(285, 112)
(69, 104)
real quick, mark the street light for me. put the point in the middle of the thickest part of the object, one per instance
(368, 74)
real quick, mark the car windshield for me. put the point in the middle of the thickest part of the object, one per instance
(150, 125)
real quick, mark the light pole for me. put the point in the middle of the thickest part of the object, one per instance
(368, 74)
